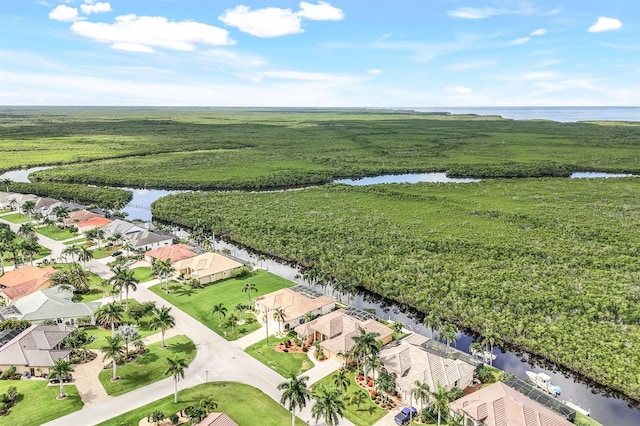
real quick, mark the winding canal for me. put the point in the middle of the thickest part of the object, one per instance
(604, 406)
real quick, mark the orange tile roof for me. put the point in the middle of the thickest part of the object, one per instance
(82, 215)
(173, 252)
(26, 280)
(96, 222)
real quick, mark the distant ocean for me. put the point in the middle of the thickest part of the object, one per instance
(562, 114)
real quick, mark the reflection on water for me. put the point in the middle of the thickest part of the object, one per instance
(22, 175)
(406, 178)
(594, 175)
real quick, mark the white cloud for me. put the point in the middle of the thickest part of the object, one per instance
(520, 40)
(322, 11)
(64, 13)
(605, 24)
(100, 7)
(142, 33)
(232, 59)
(307, 76)
(469, 65)
(374, 71)
(472, 13)
(267, 22)
(538, 32)
(521, 8)
(458, 89)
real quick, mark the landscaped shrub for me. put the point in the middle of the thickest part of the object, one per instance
(174, 418)
(9, 373)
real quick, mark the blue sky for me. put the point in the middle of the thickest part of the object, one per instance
(342, 53)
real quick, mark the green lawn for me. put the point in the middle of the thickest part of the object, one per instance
(148, 368)
(8, 260)
(16, 218)
(75, 241)
(243, 403)
(101, 253)
(369, 412)
(582, 420)
(102, 333)
(143, 274)
(199, 302)
(56, 233)
(280, 362)
(37, 403)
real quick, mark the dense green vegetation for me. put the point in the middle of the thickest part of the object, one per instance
(243, 403)
(211, 148)
(549, 264)
(106, 198)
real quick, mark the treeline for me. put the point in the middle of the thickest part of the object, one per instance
(106, 198)
(548, 264)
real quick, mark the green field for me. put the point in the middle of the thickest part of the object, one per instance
(243, 403)
(549, 264)
(16, 218)
(281, 362)
(199, 302)
(38, 403)
(56, 233)
(147, 368)
(143, 274)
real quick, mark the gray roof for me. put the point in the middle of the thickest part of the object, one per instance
(36, 346)
(141, 239)
(120, 226)
(51, 303)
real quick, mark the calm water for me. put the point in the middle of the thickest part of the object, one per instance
(405, 178)
(562, 114)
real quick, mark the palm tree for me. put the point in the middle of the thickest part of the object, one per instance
(341, 380)
(239, 309)
(100, 234)
(85, 255)
(232, 320)
(30, 247)
(208, 403)
(397, 327)
(372, 362)
(365, 343)
(358, 397)
(111, 313)
(281, 316)
(432, 322)
(27, 230)
(163, 320)
(420, 392)
(61, 213)
(6, 182)
(328, 405)
(248, 288)
(72, 251)
(113, 350)
(28, 207)
(176, 369)
(296, 394)
(441, 400)
(448, 334)
(456, 420)
(117, 237)
(124, 278)
(157, 416)
(61, 369)
(221, 310)
(490, 339)
(162, 269)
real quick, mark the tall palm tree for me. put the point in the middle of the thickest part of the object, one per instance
(176, 369)
(85, 255)
(372, 363)
(30, 247)
(111, 313)
(420, 392)
(232, 320)
(281, 316)
(358, 397)
(163, 320)
(341, 380)
(448, 334)
(365, 343)
(73, 251)
(432, 322)
(441, 400)
(114, 350)
(162, 269)
(27, 230)
(62, 213)
(248, 288)
(295, 395)
(61, 368)
(28, 207)
(490, 339)
(100, 234)
(124, 279)
(6, 182)
(221, 310)
(328, 405)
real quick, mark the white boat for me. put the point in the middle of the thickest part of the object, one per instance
(543, 381)
(483, 355)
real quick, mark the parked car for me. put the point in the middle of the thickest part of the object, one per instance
(116, 253)
(405, 415)
(65, 379)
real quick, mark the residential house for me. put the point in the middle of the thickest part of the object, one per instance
(336, 330)
(207, 267)
(45, 206)
(15, 200)
(35, 350)
(82, 215)
(148, 240)
(92, 223)
(295, 306)
(119, 226)
(216, 419)
(435, 364)
(501, 405)
(54, 304)
(24, 281)
(174, 253)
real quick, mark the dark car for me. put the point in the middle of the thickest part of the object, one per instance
(116, 253)
(405, 415)
(65, 379)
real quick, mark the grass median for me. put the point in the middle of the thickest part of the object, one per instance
(148, 367)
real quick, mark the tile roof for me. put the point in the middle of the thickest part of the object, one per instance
(51, 303)
(501, 405)
(206, 264)
(82, 215)
(35, 346)
(94, 222)
(173, 252)
(217, 419)
(142, 238)
(295, 305)
(25, 280)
